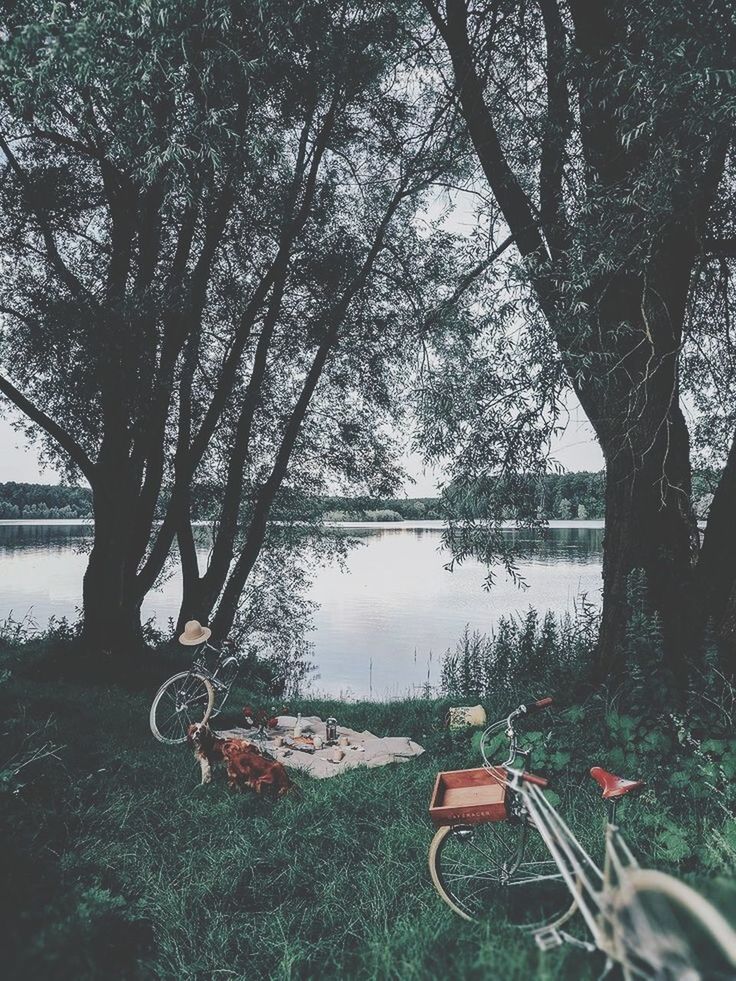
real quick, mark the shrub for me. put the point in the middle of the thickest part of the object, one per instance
(14, 633)
(523, 654)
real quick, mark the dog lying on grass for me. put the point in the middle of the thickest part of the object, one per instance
(250, 769)
(245, 765)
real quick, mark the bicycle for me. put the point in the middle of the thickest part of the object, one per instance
(190, 696)
(500, 841)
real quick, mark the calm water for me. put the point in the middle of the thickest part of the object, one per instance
(382, 626)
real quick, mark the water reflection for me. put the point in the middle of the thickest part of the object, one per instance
(381, 627)
(556, 543)
(46, 537)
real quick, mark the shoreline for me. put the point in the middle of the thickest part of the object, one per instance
(429, 525)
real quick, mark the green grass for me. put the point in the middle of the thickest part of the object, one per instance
(118, 864)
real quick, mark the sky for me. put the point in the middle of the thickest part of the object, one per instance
(576, 449)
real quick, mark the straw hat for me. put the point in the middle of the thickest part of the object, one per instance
(194, 633)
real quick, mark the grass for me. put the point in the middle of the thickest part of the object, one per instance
(118, 864)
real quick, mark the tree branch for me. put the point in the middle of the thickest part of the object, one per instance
(556, 131)
(75, 285)
(256, 532)
(466, 282)
(512, 200)
(65, 441)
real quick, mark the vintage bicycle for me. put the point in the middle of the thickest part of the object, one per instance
(500, 845)
(196, 695)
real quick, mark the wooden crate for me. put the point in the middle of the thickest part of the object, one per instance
(468, 797)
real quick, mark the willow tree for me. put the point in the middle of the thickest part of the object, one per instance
(319, 384)
(197, 197)
(602, 131)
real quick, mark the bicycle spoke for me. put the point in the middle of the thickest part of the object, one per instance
(168, 719)
(479, 892)
(477, 866)
(487, 855)
(470, 876)
(179, 703)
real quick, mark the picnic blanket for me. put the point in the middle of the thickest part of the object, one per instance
(365, 749)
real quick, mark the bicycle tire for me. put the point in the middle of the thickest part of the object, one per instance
(665, 929)
(190, 706)
(481, 869)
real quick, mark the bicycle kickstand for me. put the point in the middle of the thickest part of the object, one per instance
(549, 938)
(580, 944)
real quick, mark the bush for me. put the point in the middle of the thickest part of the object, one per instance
(522, 654)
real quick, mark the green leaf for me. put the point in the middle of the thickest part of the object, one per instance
(715, 746)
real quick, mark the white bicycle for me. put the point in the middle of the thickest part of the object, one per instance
(500, 845)
(196, 695)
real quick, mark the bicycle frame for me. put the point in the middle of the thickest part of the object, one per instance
(224, 660)
(590, 886)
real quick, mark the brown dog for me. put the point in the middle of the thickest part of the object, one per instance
(244, 764)
(209, 749)
(247, 768)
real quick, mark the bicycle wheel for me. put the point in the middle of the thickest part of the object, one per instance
(498, 868)
(663, 929)
(182, 700)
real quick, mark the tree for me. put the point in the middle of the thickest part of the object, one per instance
(340, 295)
(209, 214)
(602, 131)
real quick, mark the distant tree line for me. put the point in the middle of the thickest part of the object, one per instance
(561, 497)
(381, 509)
(577, 496)
(565, 497)
(18, 500)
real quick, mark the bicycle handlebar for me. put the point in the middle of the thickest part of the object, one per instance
(543, 703)
(533, 778)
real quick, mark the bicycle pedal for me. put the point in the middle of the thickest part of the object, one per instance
(575, 942)
(548, 939)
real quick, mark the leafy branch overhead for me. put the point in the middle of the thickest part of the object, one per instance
(210, 216)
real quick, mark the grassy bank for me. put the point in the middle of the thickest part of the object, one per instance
(120, 865)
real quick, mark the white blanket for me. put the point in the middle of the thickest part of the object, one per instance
(365, 749)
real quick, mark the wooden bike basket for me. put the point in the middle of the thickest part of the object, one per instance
(469, 797)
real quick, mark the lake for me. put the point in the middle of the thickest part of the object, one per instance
(382, 625)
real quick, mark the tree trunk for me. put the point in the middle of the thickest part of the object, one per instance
(198, 601)
(716, 577)
(190, 608)
(111, 602)
(649, 526)
(726, 636)
(227, 608)
(636, 413)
